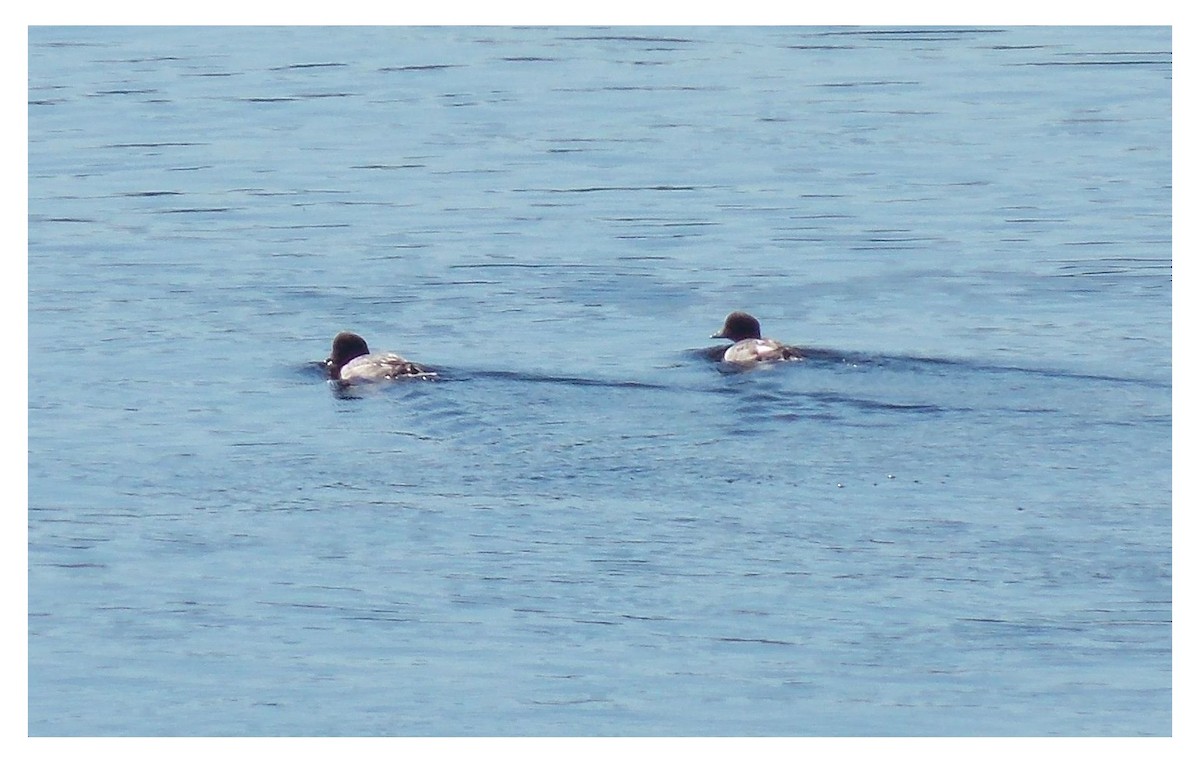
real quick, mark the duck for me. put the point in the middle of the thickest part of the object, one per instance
(350, 361)
(749, 346)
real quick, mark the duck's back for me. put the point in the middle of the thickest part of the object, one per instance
(760, 350)
(381, 367)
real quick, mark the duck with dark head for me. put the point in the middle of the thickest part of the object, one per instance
(350, 361)
(749, 346)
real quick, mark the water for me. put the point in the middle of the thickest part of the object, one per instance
(954, 518)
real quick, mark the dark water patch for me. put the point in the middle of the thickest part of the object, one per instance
(750, 640)
(61, 219)
(292, 227)
(258, 443)
(866, 83)
(683, 224)
(1156, 267)
(315, 65)
(593, 189)
(1107, 59)
(125, 92)
(1089, 121)
(628, 39)
(651, 220)
(507, 375)
(260, 192)
(175, 211)
(267, 99)
(457, 283)
(386, 166)
(153, 145)
(142, 60)
(790, 404)
(867, 405)
(881, 248)
(295, 254)
(797, 238)
(362, 390)
(819, 47)
(899, 236)
(73, 44)
(420, 68)
(314, 369)
(381, 618)
(662, 236)
(930, 33)
(523, 265)
(988, 367)
(568, 701)
(596, 621)
(711, 353)
(1024, 627)
(645, 88)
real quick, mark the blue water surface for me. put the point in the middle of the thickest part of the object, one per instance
(952, 518)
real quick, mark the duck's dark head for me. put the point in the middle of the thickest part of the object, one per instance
(738, 327)
(346, 346)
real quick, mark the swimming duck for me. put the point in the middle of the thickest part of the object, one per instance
(748, 344)
(351, 361)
